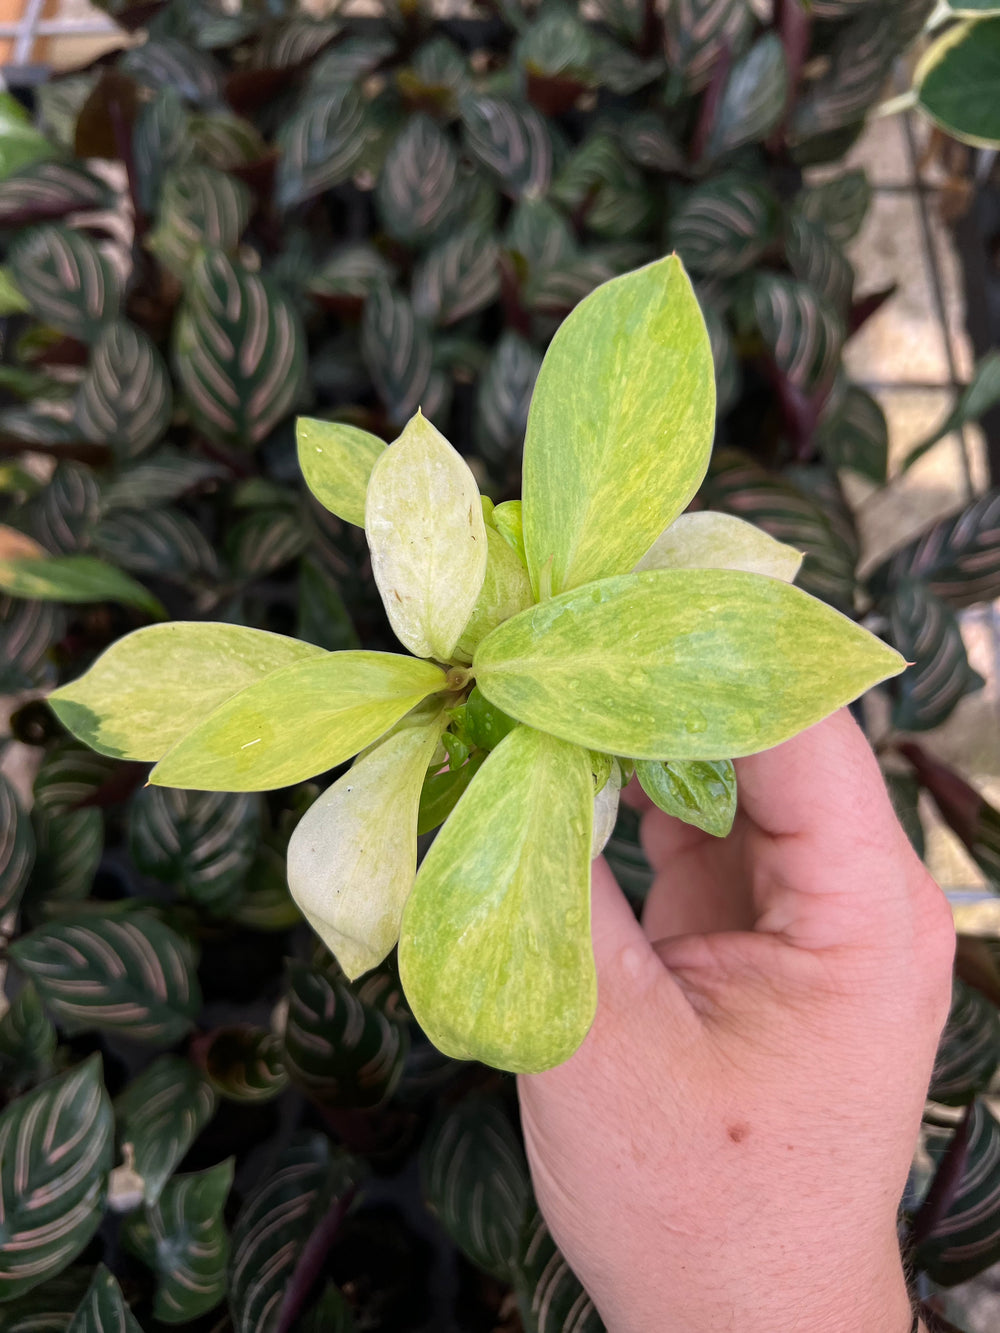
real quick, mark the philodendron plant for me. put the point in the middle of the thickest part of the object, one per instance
(558, 643)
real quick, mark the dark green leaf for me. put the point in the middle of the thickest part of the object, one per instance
(979, 395)
(323, 617)
(162, 543)
(966, 1240)
(265, 541)
(69, 848)
(838, 205)
(339, 1049)
(724, 359)
(351, 59)
(200, 843)
(27, 1042)
(723, 226)
(242, 1063)
(320, 144)
(157, 479)
(183, 1239)
(753, 99)
(924, 629)
(66, 279)
(442, 791)
(649, 143)
(958, 82)
(276, 1222)
(103, 1308)
(294, 41)
(166, 62)
(964, 809)
(161, 142)
(801, 330)
(27, 629)
(420, 186)
(556, 43)
(701, 792)
(475, 1180)
(240, 352)
(49, 1308)
(856, 436)
(551, 1296)
(199, 206)
(125, 398)
(160, 1114)
(458, 277)
(42, 424)
(819, 262)
(969, 1052)
(55, 1153)
(20, 143)
(904, 792)
(503, 398)
(350, 273)
(330, 1314)
(226, 141)
(598, 182)
(700, 31)
(958, 558)
(540, 235)
(17, 847)
(852, 78)
(128, 974)
(510, 140)
(398, 353)
(46, 191)
(63, 514)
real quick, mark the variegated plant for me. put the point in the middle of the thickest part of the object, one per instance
(557, 645)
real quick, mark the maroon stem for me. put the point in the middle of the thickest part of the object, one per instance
(312, 1261)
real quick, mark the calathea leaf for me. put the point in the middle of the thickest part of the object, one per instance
(339, 1049)
(242, 1063)
(801, 330)
(200, 843)
(226, 141)
(838, 206)
(66, 280)
(275, 1224)
(183, 1239)
(17, 847)
(724, 225)
(239, 351)
(46, 191)
(398, 352)
(112, 973)
(320, 144)
(118, 707)
(964, 810)
(425, 529)
(956, 82)
(265, 541)
(701, 792)
(601, 482)
(969, 1052)
(162, 543)
(353, 855)
(551, 1295)
(159, 1115)
(510, 140)
(419, 188)
(506, 590)
(167, 62)
(55, 1153)
(348, 275)
(853, 76)
(50, 1306)
(698, 31)
(475, 1181)
(63, 514)
(779, 661)
(161, 142)
(74, 578)
(719, 541)
(323, 617)
(495, 953)
(979, 395)
(753, 99)
(819, 262)
(125, 398)
(856, 436)
(504, 396)
(600, 183)
(199, 206)
(297, 722)
(904, 793)
(958, 558)
(457, 277)
(336, 460)
(103, 1308)
(965, 1241)
(69, 847)
(157, 479)
(925, 631)
(27, 1042)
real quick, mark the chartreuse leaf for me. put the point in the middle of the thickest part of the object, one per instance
(183, 1239)
(494, 953)
(620, 427)
(74, 578)
(506, 590)
(55, 1153)
(160, 1114)
(606, 807)
(103, 1308)
(679, 664)
(958, 82)
(720, 541)
(336, 461)
(699, 791)
(508, 520)
(352, 857)
(424, 523)
(298, 722)
(150, 688)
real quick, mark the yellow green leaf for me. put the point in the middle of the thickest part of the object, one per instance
(424, 523)
(153, 686)
(506, 590)
(679, 664)
(74, 578)
(298, 722)
(606, 809)
(620, 427)
(336, 461)
(719, 541)
(495, 953)
(353, 855)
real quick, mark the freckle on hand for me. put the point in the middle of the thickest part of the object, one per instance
(738, 1132)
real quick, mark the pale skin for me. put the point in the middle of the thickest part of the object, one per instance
(728, 1148)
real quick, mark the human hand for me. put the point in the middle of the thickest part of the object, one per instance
(728, 1148)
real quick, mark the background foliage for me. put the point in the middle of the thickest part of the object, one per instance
(259, 213)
